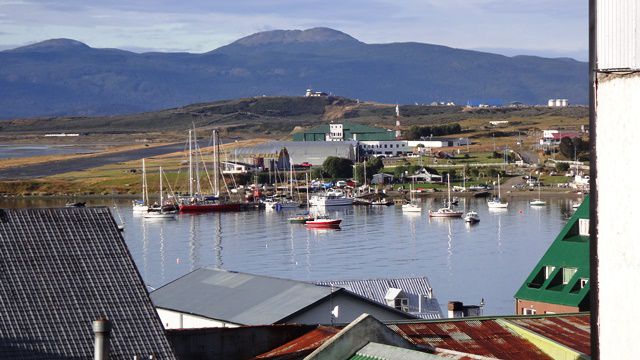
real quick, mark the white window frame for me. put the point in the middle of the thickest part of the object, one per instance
(529, 311)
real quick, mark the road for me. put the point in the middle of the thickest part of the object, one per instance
(63, 166)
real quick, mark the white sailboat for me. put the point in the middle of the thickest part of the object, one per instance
(412, 206)
(446, 212)
(289, 203)
(142, 205)
(497, 202)
(159, 213)
(538, 201)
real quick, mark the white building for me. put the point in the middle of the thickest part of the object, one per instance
(615, 262)
(336, 132)
(558, 103)
(311, 93)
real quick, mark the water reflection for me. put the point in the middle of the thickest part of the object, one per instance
(488, 260)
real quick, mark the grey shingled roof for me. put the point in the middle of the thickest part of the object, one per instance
(376, 289)
(59, 270)
(238, 298)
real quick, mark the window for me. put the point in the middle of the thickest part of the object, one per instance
(583, 282)
(548, 270)
(529, 311)
(402, 304)
(583, 226)
(567, 274)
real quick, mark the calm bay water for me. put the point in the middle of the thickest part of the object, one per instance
(19, 151)
(464, 262)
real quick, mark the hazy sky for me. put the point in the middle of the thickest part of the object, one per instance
(543, 27)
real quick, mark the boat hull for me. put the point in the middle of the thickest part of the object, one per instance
(452, 214)
(332, 202)
(323, 224)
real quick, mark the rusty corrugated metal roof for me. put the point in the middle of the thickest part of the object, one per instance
(302, 346)
(485, 337)
(573, 331)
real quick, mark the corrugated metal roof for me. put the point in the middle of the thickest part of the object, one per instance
(237, 297)
(301, 346)
(573, 331)
(375, 289)
(484, 337)
(314, 152)
(376, 351)
(61, 269)
(618, 34)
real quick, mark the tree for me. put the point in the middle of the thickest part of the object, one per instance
(316, 173)
(337, 167)
(562, 167)
(374, 165)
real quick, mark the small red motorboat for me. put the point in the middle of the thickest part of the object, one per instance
(323, 223)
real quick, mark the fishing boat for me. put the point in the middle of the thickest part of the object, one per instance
(382, 202)
(412, 206)
(159, 212)
(446, 212)
(538, 201)
(333, 197)
(472, 217)
(497, 202)
(197, 203)
(143, 204)
(288, 203)
(323, 222)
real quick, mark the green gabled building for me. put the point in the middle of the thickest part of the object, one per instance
(344, 132)
(560, 281)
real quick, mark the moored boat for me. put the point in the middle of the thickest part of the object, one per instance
(472, 217)
(497, 202)
(446, 212)
(323, 222)
(332, 197)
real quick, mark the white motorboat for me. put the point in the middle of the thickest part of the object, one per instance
(472, 217)
(333, 197)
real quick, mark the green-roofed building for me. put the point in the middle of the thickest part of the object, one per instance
(344, 132)
(560, 281)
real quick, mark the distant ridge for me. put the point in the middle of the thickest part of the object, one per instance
(313, 35)
(52, 45)
(64, 77)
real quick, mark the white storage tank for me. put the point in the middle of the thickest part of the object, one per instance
(552, 103)
(564, 102)
(558, 102)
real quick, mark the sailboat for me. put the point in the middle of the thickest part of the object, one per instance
(142, 205)
(303, 218)
(160, 213)
(447, 212)
(497, 202)
(198, 203)
(538, 201)
(412, 206)
(289, 203)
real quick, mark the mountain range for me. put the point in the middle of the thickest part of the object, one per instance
(63, 77)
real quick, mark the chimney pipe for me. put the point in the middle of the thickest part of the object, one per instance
(102, 331)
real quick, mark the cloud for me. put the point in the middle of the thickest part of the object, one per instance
(203, 25)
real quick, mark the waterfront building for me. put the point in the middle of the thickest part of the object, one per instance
(62, 269)
(218, 298)
(297, 152)
(345, 131)
(559, 283)
(412, 295)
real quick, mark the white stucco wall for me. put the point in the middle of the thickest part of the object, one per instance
(617, 127)
(175, 320)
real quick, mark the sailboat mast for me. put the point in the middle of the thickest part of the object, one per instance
(195, 145)
(190, 167)
(499, 196)
(449, 190)
(161, 199)
(214, 136)
(145, 189)
(291, 181)
(306, 179)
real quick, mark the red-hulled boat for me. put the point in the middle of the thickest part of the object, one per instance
(323, 223)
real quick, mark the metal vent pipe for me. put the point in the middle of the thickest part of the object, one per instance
(102, 331)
